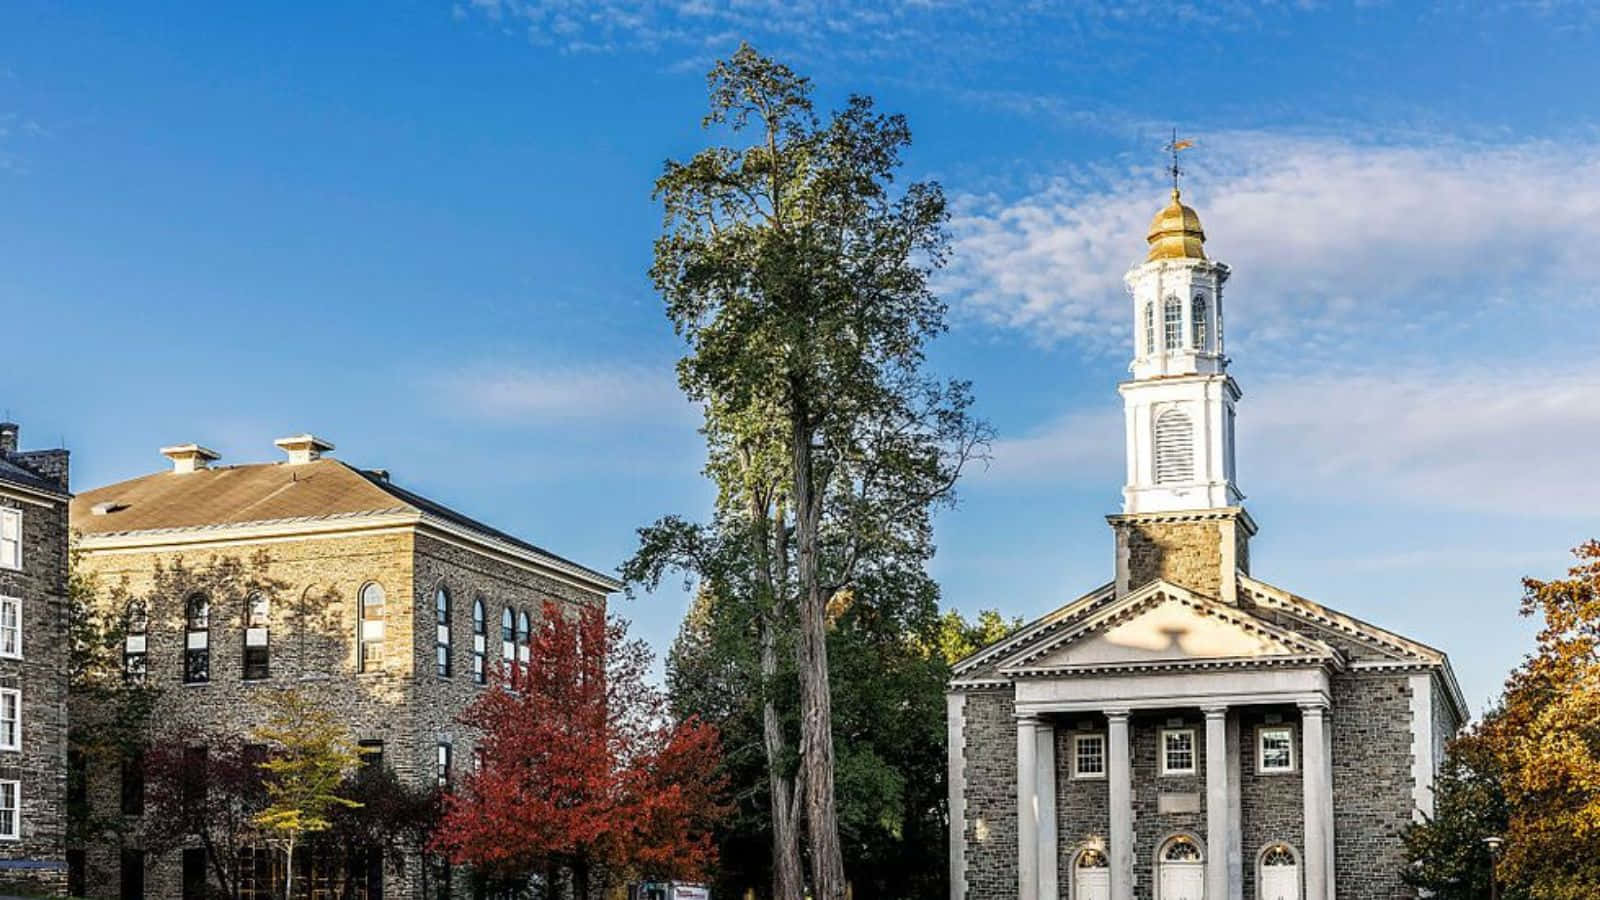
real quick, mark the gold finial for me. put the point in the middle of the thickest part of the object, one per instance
(1175, 232)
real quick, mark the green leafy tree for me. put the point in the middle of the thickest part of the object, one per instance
(798, 275)
(312, 755)
(1449, 858)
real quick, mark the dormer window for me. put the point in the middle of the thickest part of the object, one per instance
(1172, 321)
(1197, 315)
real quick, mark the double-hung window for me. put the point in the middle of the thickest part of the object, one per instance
(10, 810)
(197, 640)
(1275, 748)
(480, 641)
(370, 636)
(136, 642)
(1089, 756)
(11, 627)
(442, 765)
(1177, 751)
(257, 623)
(441, 604)
(10, 719)
(10, 538)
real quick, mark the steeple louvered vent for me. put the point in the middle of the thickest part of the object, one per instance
(1174, 448)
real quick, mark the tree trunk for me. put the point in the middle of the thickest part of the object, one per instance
(788, 879)
(288, 872)
(816, 701)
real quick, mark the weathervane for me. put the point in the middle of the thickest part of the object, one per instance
(1175, 148)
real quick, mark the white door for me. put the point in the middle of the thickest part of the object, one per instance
(1183, 881)
(1092, 884)
(1280, 882)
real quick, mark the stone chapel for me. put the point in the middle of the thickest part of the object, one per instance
(1189, 731)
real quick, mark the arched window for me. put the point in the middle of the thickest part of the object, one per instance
(1174, 448)
(1172, 323)
(1180, 869)
(480, 641)
(197, 640)
(441, 648)
(508, 639)
(136, 642)
(1197, 317)
(372, 602)
(1149, 328)
(257, 613)
(1279, 873)
(522, 637)
(1181, 849)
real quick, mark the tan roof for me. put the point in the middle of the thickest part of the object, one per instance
(231, 495)
(270, 492)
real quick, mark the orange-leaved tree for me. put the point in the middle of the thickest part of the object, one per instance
(1546, 739)
(579, 769)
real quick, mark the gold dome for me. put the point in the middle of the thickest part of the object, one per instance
(1175, 233)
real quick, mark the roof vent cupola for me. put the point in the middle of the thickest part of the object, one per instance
(303, 448)
(188, 458)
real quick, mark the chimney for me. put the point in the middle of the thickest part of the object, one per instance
(303, 448)
(8, 437)
(187, 458)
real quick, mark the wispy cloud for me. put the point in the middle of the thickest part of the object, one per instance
(1518, 442)
(518, 394)
(1333, 241)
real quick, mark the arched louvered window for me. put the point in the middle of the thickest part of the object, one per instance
(257, 617)
(136, 643)
(1149, 328)
(441, 649)
(1174, 448)
(1197, 317)
(370, 628)
(480, 641)
(1172, 323)
(197, 639)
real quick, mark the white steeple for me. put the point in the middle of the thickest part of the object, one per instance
(1179, 405)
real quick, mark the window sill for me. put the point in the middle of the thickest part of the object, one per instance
(1274, 772)
(1076, 777)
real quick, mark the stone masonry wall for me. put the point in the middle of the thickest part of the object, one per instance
(1152, 828)
(314, 585)
(1271, 806)
(991, 832)
(1083, 809)
(1372, 784)
(36, 864)
(1184, 553)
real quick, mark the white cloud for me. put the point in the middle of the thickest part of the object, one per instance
(516, 394)
(1333, 242)
(1519, 442)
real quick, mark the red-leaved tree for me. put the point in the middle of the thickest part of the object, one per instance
(580, 769)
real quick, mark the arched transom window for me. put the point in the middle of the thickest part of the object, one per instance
(1172, 323)
(372, 602)
(1092, 859)
(1280, 873)
(197, 639)
(1181, 849)
(1174, 446)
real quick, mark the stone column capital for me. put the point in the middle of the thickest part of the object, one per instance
(1314, 708)
(1028, 720)
(1215, 712)
(1118, 714)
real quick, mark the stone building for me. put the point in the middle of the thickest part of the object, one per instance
(1189, 731)
(33, 667)
(385, 606)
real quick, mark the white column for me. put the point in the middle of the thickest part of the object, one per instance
(1217, 793)
(1314, 778)
(1045, 783)
(1120, 785)
(1027, 808)
(1236, 749)
(956, 709)
(1327, 831)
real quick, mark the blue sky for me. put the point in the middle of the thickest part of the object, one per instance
(421, 229)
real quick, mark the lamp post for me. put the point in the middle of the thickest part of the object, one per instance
(1495, 842)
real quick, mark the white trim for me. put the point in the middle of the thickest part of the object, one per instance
(1054, 619)
(1194, 752)
(956, 780)
(1261, 749)
(18, 601)
(33, 496)
(1105, 756)
(16, 812)
(15, 745)
(1423, 766)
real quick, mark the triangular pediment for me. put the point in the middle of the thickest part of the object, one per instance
(1163, 624)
